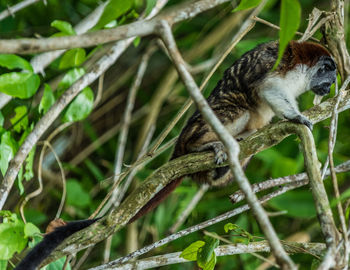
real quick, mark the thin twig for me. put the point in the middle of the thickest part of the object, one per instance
(99, 90)
(300, 178)
(255, 18)
(122, 139)
(64, 190)
(40, 188)
(331, 144)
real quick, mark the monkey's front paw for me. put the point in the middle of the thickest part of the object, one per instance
(220, 153)
(301, 119)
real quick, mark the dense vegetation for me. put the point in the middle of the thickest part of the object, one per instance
(78, 160)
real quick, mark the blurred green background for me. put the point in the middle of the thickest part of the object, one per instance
(86, 184)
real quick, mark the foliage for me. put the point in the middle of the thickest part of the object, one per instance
(202, 252)
(14, 234)
(97, 116)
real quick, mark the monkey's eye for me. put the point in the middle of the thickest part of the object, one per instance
(327, 67)
(321, 70)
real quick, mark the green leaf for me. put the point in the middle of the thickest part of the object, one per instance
(30, 230)
(8, 216)
(94, 169)
(230, 227)
(20, 120)
(11, 239)
(80, 107)
(29, 174)
(18, 84)
(20, 181)
(137, 41)
(247, 4)
(12, 61)
(113, 10)
(289, 24)
(72, 58)
(3, 265)
(57, 265)
(298, 204)
(190, 253)
(205, 253)
(8, 150)
(64, 27)
(47, 100)
(150, 4)
(70, 77)
(76, 195)
(2, 119)
(210, 265)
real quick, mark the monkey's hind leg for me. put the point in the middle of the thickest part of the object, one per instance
(219, 176)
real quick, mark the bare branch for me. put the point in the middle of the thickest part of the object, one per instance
(223, 250)
(298, 179)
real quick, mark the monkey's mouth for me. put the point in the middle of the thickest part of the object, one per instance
(322, 89)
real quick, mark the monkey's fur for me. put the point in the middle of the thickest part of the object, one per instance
(245, 100)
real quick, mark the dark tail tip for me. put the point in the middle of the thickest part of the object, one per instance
(42, 250)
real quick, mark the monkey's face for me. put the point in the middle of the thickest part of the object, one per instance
(324, 74)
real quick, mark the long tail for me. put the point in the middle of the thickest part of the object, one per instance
(157, 199)
(42, 250)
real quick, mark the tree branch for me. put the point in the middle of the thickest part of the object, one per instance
(315, 249)
(140, 28)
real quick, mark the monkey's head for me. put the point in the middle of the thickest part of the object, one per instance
(324, 74)
(322, 70)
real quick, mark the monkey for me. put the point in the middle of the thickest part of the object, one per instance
(246, 99)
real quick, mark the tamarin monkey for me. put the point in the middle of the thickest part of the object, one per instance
(245, 99)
